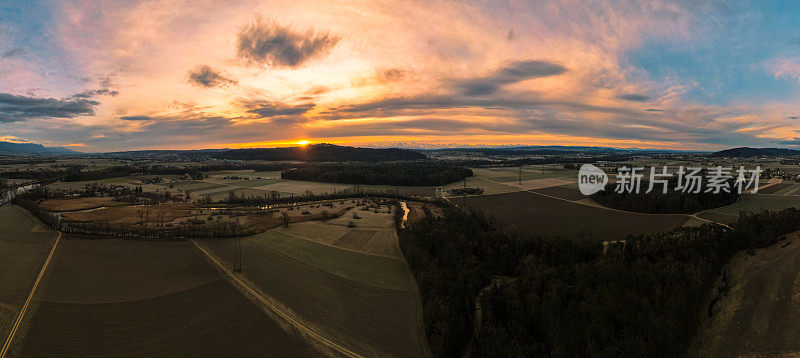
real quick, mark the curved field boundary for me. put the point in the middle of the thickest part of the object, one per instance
(712, 209)
(14, 328)
(325, 341)
(599, 206)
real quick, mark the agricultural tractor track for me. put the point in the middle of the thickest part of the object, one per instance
(272, 307)
(24, 308)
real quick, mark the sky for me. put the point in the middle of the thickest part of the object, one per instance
(149, 74)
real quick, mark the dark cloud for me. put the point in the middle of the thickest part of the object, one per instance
(136, 118)
(205, 76)
(654, 110)
(393, 74)
(511, 35)
(268, 109)
(275, 45)
(188, 120)
(795, 141)
(408, 105)
(535, 114)
(95, 93)
(634, 97)
(14, 108)
(515, 72)
(106, 89)
(106, 82)
(14, 52)
(794, 117)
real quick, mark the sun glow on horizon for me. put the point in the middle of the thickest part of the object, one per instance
(303, 143)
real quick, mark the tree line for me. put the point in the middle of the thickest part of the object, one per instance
(322, 153)
(390, 173)
(673, 202)
(570, 296)
(150, 224)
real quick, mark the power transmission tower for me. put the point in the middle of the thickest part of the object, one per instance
(237, 255)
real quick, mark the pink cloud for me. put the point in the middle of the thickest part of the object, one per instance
(785, 68)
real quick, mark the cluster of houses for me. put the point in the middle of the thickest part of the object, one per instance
(779, 173)
(233, 177)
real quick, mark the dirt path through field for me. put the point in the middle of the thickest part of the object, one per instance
(28, 300)
(268, 303)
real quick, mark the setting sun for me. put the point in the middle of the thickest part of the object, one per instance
(302, 142)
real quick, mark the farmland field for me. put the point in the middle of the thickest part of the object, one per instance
(488, 187)
(543, 215)
(360, 267)
(118, 298)
(529, 172)
(750, 202)
(772, 189)
(315, 231)
(376, 241)
(568, 192)
(73, 204)
(244, 173)
(367, 319)
(368, 219)
(758, 315)
(24, 246)
(787, 189)
(507, 179)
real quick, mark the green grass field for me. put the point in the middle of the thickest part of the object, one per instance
(115, 298)
(748, 202)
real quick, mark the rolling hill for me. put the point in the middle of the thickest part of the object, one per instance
(31, 148)
(322, 153)
(747, 152)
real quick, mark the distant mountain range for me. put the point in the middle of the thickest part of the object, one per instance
(322, 153)
(31, 148)
(747, 152)
(336, 153)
